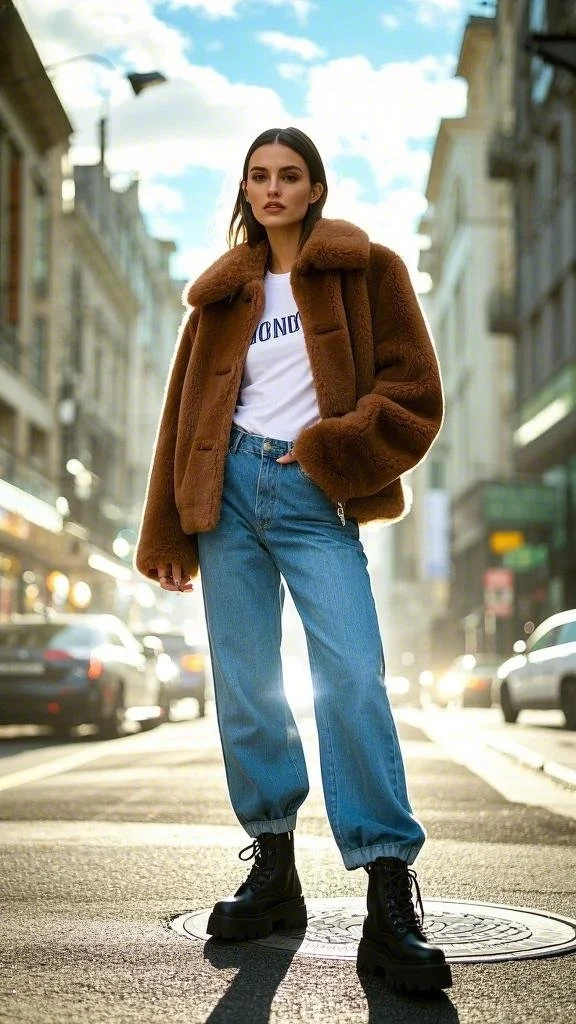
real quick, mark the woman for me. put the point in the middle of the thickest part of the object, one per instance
(303, 386)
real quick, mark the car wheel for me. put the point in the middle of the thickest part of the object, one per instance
(509, 712)
(568, 702)
(111, 727)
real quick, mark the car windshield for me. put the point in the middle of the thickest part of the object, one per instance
(48, 635)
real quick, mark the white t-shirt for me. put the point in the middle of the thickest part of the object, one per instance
(277, 396)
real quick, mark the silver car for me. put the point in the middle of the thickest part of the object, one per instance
(544, 675)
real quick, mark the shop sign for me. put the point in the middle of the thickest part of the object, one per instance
(530, 556)
(14, 525)
(35, 510)
(505, 540)
(519, 505)
(498, 584)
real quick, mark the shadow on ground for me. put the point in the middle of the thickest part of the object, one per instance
(258, 977)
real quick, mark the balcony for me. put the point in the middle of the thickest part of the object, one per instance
(19, 473)
(505, 159)
(501, 312)
(10, 350)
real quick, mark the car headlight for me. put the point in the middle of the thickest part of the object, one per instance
(450, 685)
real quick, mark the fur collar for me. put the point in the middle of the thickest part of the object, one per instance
(333, 245)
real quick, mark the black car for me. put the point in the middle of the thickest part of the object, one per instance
(192, 659)
(65, 670)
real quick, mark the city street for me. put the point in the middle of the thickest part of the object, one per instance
(103, 843)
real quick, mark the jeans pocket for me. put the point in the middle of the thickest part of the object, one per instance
(304, 475)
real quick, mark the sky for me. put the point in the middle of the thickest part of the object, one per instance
(368, 80)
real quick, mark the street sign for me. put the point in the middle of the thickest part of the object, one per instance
(521, 504)
(506, 540)
(498, 585)
(530, 556)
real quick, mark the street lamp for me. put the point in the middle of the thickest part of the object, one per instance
(139, 81)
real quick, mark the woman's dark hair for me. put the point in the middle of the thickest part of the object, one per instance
(243, 226)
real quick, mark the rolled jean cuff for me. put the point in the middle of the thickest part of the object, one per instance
(278, 827)
(366, 854)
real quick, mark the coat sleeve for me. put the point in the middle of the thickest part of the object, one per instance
(394, 425)
(161, 538)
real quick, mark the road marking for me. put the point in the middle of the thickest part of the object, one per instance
(136, 833)
(202, 737)
(38, 772)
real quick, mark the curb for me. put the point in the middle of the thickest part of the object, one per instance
(528, 758)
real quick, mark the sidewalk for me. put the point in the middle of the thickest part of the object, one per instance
(541, 749)
(539, 740)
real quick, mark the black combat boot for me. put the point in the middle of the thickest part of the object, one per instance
(271, 897)
(393, 942)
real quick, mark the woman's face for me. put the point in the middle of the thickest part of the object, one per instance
(278, 186)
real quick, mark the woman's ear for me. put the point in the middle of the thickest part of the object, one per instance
(244, 188)
(317, 191)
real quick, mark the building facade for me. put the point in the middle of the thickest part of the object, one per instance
(536, 154)
(34, 133)
(469, 257)
(88, 320)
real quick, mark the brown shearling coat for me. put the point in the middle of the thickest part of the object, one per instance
(374, 368)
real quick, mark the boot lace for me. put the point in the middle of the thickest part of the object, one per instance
(261, 870)
(403, 896)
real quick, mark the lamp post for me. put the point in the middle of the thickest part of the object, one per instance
(139, 81)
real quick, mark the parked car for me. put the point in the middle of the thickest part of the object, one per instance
(192, 660)
(467, 681)
(402, 690)
(165, 667)
(542, 677)
(65, 670)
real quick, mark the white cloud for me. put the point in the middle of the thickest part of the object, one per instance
(158, 199)
(386, 219)
(189, 263)
(62, 30)
(429, 12)
(211, 8)
(390, 21)
(292, 72)
(386, 115)
(201, 120)
(281, 43)
(230, 8)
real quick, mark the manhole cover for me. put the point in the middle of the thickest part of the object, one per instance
(467, 932)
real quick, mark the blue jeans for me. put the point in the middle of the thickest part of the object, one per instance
(276, 523)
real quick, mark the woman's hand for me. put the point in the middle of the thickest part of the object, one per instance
(172, 577)
(290, 457)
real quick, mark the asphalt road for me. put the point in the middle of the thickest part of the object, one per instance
(102, 843)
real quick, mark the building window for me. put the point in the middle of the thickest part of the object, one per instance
(37, 448)
(12, 230)
(41, 252)
(436, 477)
(536, 352)
(541, 72)
(38, 361)
(76, 321)
(557, 326)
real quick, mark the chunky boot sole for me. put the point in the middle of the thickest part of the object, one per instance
(372, 959)
(291, 914)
